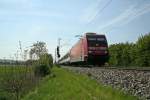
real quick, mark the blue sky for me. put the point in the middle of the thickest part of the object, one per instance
(29, 21)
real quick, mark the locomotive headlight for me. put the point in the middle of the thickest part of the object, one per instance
(90, 51)
(106, 52)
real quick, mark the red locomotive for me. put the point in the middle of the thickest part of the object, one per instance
(91, 49)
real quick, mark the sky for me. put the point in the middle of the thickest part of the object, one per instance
(29, 21)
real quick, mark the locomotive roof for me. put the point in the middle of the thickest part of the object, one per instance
(91, 33)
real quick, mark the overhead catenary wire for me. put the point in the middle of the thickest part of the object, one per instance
(101, 10)
(105, 6)
(137, 5)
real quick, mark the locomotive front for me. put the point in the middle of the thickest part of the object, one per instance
(97, 48)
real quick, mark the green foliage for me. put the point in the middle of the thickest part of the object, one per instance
(131, 54)
(143, 50)
(42, 70)
(46, 59)
(42, 60)
(38, 49)
(44, 65)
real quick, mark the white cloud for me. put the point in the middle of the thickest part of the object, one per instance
(133, 12)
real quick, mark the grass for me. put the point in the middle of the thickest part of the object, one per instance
(15, 81)
(67, 85)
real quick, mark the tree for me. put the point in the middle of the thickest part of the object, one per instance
(131, 54)
(143, 50)
(37, 50)
(46, 59)
(121, 54)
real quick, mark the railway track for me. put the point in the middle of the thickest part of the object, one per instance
(146, 69)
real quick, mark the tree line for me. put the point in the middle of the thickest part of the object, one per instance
(131, 54)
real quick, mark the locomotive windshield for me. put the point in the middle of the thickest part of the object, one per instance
(96, 41)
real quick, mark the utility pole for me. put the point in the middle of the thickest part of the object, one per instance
(25, 54)
(59, 42)
(55, 55)
(20, 47)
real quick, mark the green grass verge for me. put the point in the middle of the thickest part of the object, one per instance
(72, 86)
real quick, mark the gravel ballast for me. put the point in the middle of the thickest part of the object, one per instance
(134, 82)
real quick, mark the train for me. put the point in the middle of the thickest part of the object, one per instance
(91, 49)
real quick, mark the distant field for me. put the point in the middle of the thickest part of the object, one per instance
(67, 85)
(14, 68)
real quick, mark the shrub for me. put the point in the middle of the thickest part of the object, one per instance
(5, 96)
(46, 59)
(143, 50)
(43, 65)
(42, 70)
